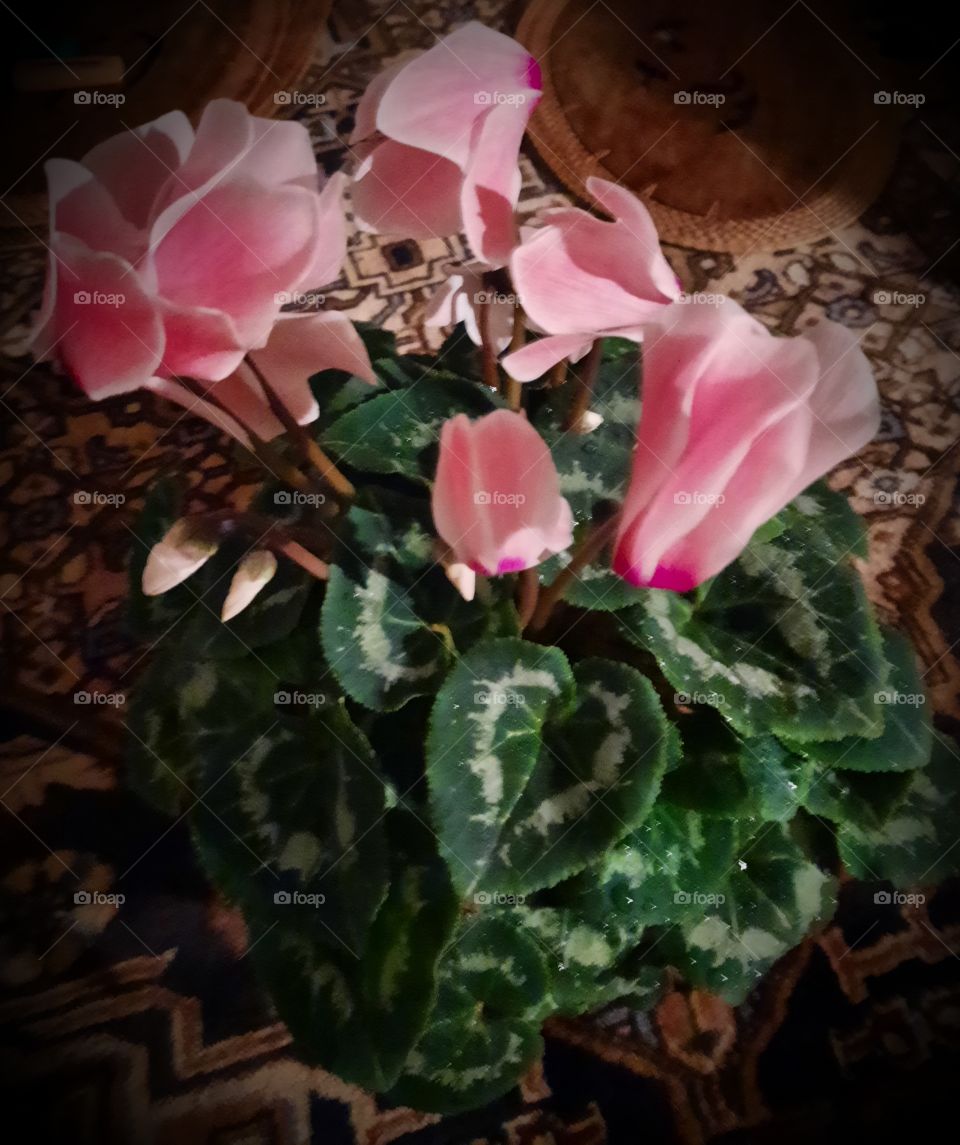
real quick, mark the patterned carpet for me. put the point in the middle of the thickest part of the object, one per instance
(140, 1020)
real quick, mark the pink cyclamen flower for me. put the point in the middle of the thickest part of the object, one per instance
(496, 498)
(580, 278)
(464, 298)
(438, 137)
(735, 423)
(173, 250)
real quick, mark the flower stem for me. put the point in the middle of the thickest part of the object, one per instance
(265, 532)
(491, 372)
(557, 375)
(585, 377)
(309, 449)
(514, 389)
(591, 547)
(268, 457)
(528, 591)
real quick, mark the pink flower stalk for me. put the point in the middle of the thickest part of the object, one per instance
(172, 251)
(580, 278)
(735, 423)
(496, 498)
(438, 136)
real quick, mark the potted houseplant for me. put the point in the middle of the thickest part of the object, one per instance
(533, 670)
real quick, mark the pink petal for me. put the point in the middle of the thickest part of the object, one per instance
(491, 185)
(332, 224)
(199, 343)
(461, 299)
(82, 207)
(136, 165)
(455, 510)
(579, 273)
(845, 405)
(400, 190)
(268, 239)
(536, 358)
(279, 151)
(301, 346)
(224, 137)
(249, 408)
(712, 386)
(365, 117)
(107, 329)
(760, 488)
(496, 499)
(434, 101)
(627, 209)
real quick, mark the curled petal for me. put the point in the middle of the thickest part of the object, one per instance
(435, 101)
(536, 358)
(177, 556)
(735, 423)
(253, 574)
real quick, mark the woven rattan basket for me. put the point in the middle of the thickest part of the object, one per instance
(743, 127)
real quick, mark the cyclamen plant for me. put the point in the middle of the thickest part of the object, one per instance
(506, 695)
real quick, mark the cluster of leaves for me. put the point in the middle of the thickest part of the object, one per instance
(440, 832)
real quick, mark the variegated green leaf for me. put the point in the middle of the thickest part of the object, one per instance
(361, 1017)
(722, 773)
(768, 903)
(396, 531)
(398, 432)
(917, 843)
(785, 635)
(484, 1031)
(907, 735)
(596, 779)
(484, 743)
(296, 812)
(375, 644)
